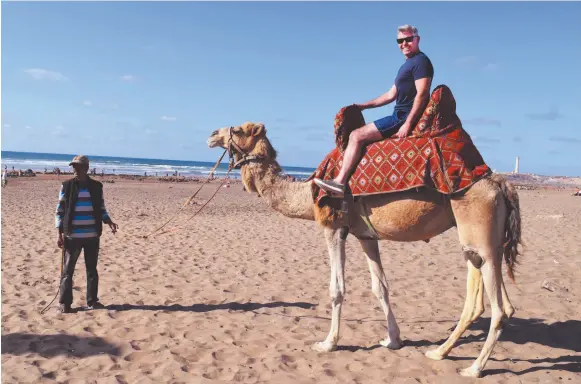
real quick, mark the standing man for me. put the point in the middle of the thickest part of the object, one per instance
(79, 216)
(411, 91)
(5, 176)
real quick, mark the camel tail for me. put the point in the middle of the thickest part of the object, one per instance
(513, 228)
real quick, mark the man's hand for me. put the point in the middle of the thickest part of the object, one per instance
(403, 131)
(60, 241)
(113, 226)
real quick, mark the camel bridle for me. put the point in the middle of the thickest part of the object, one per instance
(232, 148)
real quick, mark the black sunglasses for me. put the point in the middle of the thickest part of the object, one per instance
(408, 39)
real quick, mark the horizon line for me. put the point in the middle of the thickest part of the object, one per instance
(138, 158)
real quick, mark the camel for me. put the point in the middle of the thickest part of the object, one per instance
(487, 217)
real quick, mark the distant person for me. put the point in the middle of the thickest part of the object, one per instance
(411, 93)
(79, 216)
(5, 177)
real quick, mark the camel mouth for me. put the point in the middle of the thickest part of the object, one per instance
(214, 142)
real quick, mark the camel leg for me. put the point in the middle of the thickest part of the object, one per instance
(472, 307)
(479, 304)
(336, 248)
(491, 274)
(380, 289)
(506, 304)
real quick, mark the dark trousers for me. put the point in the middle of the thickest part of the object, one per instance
(73, 248)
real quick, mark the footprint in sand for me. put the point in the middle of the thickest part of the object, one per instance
(136, 357)
(287, 362)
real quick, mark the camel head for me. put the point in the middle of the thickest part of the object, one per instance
(248, 141)
(248, 137)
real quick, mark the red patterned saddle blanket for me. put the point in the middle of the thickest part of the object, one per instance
(438, 154)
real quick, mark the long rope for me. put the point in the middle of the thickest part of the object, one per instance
(191, 197)
(202, 207)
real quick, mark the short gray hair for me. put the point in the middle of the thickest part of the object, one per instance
(408, 28)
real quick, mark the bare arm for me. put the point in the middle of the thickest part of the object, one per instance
(382, 100)
(420, 101)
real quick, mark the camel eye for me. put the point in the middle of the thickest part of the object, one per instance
(237, 131)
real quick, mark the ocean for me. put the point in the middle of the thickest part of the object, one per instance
(38, 162)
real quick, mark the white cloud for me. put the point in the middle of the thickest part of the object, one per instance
(88, 103)
(128, 78)
(59, 130)
(28, 127)
(168, 118)
(45, 74)
(7, 125)
(150, 131)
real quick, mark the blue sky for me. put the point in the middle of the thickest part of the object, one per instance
(144, 79)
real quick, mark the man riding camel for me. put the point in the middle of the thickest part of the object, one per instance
(411, 92)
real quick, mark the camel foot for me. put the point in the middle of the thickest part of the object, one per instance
(324, 346)
(470, 372)
(434, 354)
(391, 344)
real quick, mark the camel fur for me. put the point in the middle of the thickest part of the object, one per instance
(487, 216)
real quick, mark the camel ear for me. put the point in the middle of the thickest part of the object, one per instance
(258, 129)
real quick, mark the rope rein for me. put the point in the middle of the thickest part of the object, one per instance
(231, 148)
(194, 195)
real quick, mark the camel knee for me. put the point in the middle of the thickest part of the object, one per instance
(337, 295)
(336, 298)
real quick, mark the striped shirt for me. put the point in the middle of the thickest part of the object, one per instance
(83, 225)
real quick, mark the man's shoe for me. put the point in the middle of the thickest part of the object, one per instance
(96, 305)
(330, 186)
(65, 308)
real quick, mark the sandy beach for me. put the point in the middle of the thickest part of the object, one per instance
(240, 293)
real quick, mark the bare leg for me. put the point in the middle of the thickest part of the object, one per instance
(473, 283)
(491, 273)
(358, 139)
(336, 248)
(380, 289)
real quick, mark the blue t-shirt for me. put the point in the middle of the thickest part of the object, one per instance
(414, 68)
